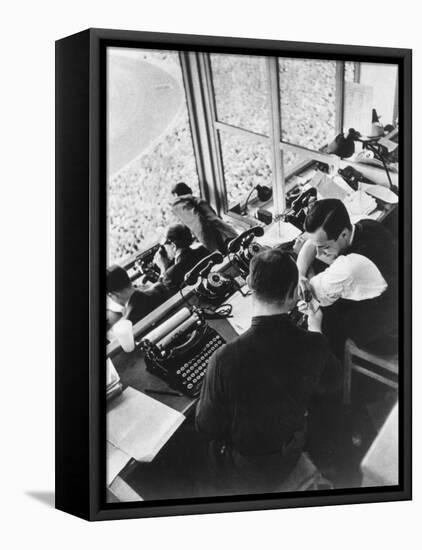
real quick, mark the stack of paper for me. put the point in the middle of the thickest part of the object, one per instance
(116, 461)
(114, 386)
(360, 205)
(279, 233)
(241, 316)
(139, 425)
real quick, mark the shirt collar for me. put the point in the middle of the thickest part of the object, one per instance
(353, 234)
(270, 319)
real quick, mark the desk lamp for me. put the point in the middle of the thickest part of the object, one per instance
(264, 194)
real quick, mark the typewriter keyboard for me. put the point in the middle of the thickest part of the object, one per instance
(190, 374)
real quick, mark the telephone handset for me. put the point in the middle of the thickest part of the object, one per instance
(244, 248)
(179, 349)
(213, 286)
(145, 265)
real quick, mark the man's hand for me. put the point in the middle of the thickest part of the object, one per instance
(161, 259)
(305, 290)
(314, 315)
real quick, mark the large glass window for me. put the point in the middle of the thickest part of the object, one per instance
(149, 147)
(241, 91)
(307, 102)
(246, 163)
(373, 86)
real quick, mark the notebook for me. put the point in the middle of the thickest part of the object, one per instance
(139, 425)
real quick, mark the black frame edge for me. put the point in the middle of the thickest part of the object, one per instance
(79, 474)
(72, 417)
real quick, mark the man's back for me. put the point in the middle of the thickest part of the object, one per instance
(257, 388)
(208, 228)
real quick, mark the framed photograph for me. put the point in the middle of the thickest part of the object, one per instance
(233, 278)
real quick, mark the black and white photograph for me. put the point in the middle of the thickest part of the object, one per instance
(253, 253)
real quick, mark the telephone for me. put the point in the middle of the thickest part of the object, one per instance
(145, 266)
(213, 286)
(297, 212)
(353, 177)
(244, 248)
(179, 349)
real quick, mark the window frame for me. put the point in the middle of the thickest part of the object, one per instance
(278, 146)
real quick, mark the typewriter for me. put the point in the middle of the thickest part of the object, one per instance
(179, 349)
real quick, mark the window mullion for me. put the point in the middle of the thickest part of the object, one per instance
(277, 154)
(339, 104)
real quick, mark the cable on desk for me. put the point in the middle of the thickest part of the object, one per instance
(220, 312)
(185, 299)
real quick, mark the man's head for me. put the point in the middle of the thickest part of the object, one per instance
(119, 286)
(329, 228)
(181, 189)
(178, 237)
(273, 278)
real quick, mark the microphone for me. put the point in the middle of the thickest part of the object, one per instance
(202, 267)
(237, 242)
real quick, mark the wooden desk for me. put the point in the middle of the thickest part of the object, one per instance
(132, 371)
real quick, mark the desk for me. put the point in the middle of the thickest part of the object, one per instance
(131, 368)
(380, 465)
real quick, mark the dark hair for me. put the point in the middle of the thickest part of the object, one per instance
(117, 279)
(330, 215)
(180, 235)
(273, 275)
(181, 189)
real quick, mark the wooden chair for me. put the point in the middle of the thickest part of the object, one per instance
(383, 368)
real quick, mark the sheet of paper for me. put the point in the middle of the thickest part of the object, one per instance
(278, 233)
(327, 188)
(140, 425)
(116, 461)
(242, 311)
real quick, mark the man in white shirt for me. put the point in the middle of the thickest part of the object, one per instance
(351, 277)
(358, 288)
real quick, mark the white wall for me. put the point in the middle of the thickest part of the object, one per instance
(27, 227)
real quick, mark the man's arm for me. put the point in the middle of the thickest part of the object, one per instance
(305, 258)
(211, 414)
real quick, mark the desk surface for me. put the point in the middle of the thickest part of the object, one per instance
(132, 371)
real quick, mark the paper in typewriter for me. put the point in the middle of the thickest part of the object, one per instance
(140, 425)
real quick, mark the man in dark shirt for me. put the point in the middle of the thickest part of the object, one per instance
(210, 230)
(177, 257)
(369, 322)
(137, 303)
(254, 399)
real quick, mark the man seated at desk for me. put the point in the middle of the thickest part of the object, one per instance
(136, 303)
(257, 388)
(176, 257)
(357, 283)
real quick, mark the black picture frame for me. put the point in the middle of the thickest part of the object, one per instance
(80, 272)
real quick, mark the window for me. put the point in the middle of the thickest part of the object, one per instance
(246, 163)
(370, 86)
(241, 91)
(149, 147)
(307, 102)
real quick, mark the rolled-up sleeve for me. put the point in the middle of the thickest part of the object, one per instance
(333, 283)
(211, 413)
(353, 277)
